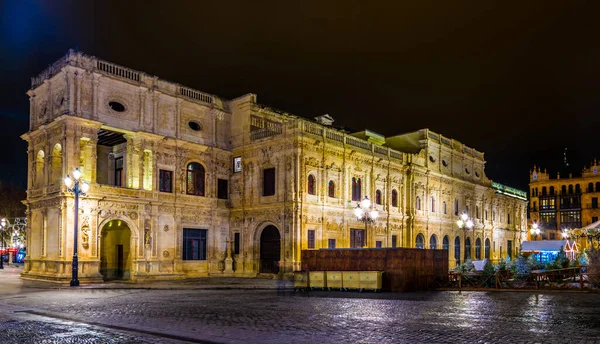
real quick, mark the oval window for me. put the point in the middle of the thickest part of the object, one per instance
(444, 163)
(431, 158)
(116, 106)
(195, 126)
(467, 170)
(476, 174)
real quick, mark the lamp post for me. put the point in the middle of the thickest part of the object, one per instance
(535, 230)
(79, 188)
(3, 225)
(365, 213)
(465, 222)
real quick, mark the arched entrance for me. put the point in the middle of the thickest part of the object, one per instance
(115, 251)
(270, 250)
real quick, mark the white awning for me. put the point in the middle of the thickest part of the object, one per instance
(547, 245)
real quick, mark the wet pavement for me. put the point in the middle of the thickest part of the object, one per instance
(256, 312)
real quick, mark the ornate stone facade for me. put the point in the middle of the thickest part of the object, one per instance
(179, 177)
(565, 202)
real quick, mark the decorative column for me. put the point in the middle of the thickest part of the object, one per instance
(228, 260)
(95, 94)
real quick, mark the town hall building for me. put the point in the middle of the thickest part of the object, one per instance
(187, 184)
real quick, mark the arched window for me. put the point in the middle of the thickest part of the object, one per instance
(591, 187)
(433, 204)
(444, 206)
(378, 197)
(478, 249)
(537, 192)
(577, 188)
(467, 210)
(467, 248)
(457, 250)
(570, 189)
(552, 191)
(420, 241)
(394, 198)
(508, 219)
(195, 179)
(487, 248)
(418, 203)
(39, 169)
(598, 187)
(563, 190)
(311, 184)
(331, 188)
(356, 189)
(56, 164)
(544, 191)
(445, 243)
(456, 207)
(433, 242)
(477, 212)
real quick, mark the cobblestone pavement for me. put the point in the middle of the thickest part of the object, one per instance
(269, 316)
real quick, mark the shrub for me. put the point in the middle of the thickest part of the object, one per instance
(501, 266)
(583, 258)
(594, 267)
(510, 265)
(488, 267)
(561, 260)
(522, 266)
(534, 263)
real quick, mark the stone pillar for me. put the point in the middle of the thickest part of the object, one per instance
(95, 94)
(32, 112)
(78, 89)
(133, 161)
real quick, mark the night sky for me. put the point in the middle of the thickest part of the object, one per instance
(517, 81)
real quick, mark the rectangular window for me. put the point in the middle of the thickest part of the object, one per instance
(194, 244)
(394, 241)
(236, 243)
(269, 181)
(570, 219)
(311, 238)
(378, 244)
(119, 173)
(509, 248)
(237, 164)
(222, 189)
(331, 243)
(594, 202)
(165, 181)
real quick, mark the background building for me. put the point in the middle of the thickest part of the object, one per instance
(561, 204)
(178, 176)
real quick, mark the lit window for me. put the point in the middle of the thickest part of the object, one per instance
(195, 179)
(311, 184)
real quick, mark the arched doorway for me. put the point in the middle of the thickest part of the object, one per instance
(115, 251)
(270, 250)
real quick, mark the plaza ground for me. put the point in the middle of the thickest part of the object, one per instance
(228, 310)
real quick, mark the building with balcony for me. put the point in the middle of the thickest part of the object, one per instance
(559, 204)
(187, 184)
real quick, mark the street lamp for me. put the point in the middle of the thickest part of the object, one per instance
(3, 225)
(464, 222)
(535, 230)
(365, 213)
(79, 188)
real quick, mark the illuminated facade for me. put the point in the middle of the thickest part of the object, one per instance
(186, 184)
(561, 204)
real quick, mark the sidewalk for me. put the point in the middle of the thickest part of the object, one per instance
(10, 278)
